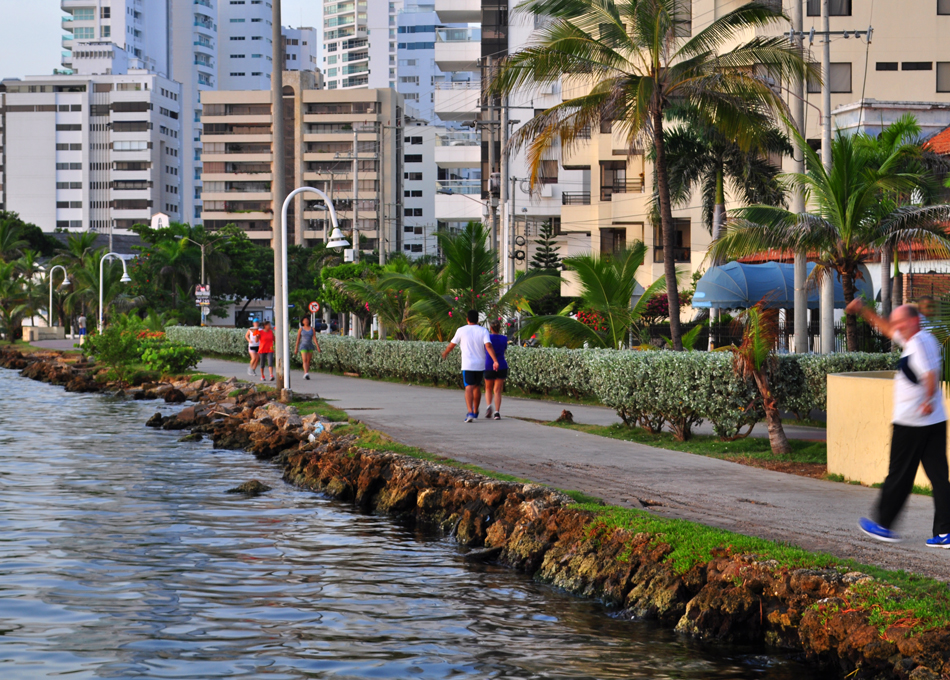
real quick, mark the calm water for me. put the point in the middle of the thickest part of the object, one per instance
(122, 557)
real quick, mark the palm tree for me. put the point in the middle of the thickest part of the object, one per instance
(607, 285)
(11, 236)
(844, 226)
(14, 299)
(393, 306)
(632, 55)
(902, 137)
(754, 359)
(469, 280)
(698, 155)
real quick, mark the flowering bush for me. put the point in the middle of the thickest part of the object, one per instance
(593, 319)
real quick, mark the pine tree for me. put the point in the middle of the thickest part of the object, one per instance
(546, 255)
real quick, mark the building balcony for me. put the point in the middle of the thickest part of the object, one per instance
(459, 11)
(458, 49)
(457, 101)
(575, 198)
(631, 186)
(458, 207)
(458, 150)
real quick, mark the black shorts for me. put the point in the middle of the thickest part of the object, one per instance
(500, 374)
(472, 378)
(267, 359)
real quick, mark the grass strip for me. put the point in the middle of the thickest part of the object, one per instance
(921, 603)
(740, 450)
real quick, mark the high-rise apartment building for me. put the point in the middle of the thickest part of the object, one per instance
(98, 150)
(177, 39)
(326, 132)
(352, 58)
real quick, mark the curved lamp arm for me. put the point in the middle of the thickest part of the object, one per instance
(284, 338)
(125, 278)
(49, 321)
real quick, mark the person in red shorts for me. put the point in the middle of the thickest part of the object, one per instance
(265, 351)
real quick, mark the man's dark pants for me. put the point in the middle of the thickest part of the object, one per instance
(911, 447)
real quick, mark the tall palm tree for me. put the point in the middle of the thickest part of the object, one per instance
(14, 299)
(607, 285)
(638, 61)
(901, 138)
(468, 280)
(844, 225)
(699, 155)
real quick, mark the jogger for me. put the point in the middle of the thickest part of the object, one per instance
(474, 342)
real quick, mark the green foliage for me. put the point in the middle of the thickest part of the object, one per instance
(645, 388)
(118, 347)
(331, 294)
(546, 256)
(170, 357)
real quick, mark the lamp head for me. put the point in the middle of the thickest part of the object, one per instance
(66, 282)
(125, 278)
(337, 240)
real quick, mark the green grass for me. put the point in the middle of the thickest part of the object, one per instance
(754, 448)
(27, 348)
(922, 603)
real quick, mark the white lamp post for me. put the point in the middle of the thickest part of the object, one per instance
(125, 279)
(65, 283)
(336, 241)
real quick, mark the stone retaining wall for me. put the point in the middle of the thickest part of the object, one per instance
(733, 597)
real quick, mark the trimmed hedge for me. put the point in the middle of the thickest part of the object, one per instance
(648, 389)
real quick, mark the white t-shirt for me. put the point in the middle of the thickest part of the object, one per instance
(471, 339)
(921, 355)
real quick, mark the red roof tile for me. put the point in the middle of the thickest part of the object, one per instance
(940, 142)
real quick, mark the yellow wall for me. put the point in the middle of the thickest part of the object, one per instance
(859, 426)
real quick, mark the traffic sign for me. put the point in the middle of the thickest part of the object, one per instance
(314, 307)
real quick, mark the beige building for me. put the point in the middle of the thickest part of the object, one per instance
(322, 126)
(908, 71)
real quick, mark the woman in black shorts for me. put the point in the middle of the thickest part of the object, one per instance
(495, 380)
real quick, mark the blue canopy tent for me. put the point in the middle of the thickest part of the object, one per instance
(738, 286)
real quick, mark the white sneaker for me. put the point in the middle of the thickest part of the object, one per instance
(488, 412)
(306, 376)
(250, 371)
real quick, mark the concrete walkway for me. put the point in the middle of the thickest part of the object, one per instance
(814, 514)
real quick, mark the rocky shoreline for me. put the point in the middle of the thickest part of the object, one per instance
(733, 598)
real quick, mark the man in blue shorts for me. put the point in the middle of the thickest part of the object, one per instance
(474, 341)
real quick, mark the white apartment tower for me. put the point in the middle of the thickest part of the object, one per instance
(176, 39)
(359, 43)
(98, 150)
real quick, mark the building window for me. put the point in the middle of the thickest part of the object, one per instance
(943, 76)
(107, 31)
(88, 33)
(943, 7)
(237, 56)
(837, 8)
(105, 13)
(413, 158)
(681, 251)
(887, 66)
(839, 79)
(917, 66)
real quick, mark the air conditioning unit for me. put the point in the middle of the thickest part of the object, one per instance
(348, 255)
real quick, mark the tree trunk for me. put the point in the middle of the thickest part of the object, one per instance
(718, 219)
(669, 231)
(777, 438)
(885, 282)
(850, 320)
(898, 296)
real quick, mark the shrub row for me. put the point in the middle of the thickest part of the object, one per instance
(648, 389)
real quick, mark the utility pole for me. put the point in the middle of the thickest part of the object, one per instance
(493, 223)
(503, 185)
(279, 187)
(798, 198)
(381, 226)
(356, 210)
(828, 284)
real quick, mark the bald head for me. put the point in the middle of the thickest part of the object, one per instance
(906, 320)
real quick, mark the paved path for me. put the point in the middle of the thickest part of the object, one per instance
(814, 514)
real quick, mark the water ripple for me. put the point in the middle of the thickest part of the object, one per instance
(122, 557)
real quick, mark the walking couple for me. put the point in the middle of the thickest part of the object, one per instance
(260, 346)
(483, 358)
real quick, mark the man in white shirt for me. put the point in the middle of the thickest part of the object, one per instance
(920, 425)
(474, 341)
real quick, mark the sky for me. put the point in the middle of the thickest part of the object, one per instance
(30, 33)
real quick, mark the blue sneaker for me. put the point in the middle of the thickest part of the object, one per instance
(875, 530)
(469, 417)
(939, 541)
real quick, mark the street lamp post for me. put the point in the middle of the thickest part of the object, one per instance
(336, 241)
(125, 279)
(201, 246)
(65, 283)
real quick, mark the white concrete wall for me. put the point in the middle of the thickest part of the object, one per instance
(30, 160)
